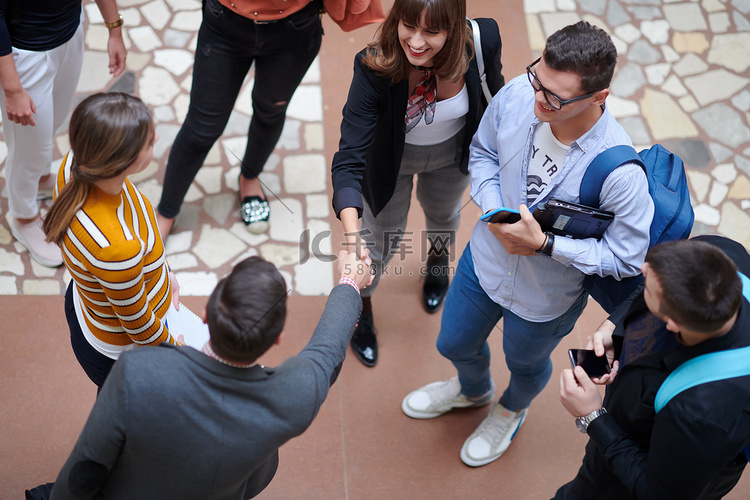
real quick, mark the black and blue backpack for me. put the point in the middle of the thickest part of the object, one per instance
(673, 213)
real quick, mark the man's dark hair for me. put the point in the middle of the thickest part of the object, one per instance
(585, 50)
(700, 285)
(246, 311)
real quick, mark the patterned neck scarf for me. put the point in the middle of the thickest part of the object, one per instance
(422, 100)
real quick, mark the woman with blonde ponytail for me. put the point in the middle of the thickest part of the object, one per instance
(122, 286)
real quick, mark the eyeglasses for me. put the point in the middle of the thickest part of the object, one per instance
(553, 100)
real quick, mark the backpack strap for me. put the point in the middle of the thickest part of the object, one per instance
(480, 59)
(703, 369)
(710, 367)
(604, 164)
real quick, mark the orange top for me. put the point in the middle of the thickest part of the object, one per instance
(265, 10)
(115, 255)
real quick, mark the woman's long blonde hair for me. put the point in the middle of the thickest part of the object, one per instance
(386, 57)
(107, 132)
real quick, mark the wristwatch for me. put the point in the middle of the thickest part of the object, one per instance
(583, 422)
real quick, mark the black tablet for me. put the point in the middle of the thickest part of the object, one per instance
(570, 219)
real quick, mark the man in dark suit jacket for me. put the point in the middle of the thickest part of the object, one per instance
(175, 422)
(691, 305)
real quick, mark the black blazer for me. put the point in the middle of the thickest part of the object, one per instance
(372, 129)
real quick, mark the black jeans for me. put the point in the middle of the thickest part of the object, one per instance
(228, 44)
(95, 364)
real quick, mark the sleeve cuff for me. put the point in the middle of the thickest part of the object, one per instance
(564, 250)
(345, 280)
(345, 198)
(604, 430)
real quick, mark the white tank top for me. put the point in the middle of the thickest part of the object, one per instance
(450, 117)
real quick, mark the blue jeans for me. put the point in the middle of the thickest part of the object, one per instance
(469, 316)
(228, 44)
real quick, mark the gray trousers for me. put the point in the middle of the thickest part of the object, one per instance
(440, 187)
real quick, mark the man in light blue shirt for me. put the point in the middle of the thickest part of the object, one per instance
(534, 143)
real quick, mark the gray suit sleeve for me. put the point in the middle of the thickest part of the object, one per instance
(328, 345)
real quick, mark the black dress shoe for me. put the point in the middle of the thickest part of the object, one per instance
(435, 283)
(364, 343)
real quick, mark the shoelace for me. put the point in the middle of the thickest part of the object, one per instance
(495, 427)
(443, 393)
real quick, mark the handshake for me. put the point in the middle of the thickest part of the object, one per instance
(354, 268)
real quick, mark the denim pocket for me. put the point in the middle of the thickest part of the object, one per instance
(303, 21)
(214, 8)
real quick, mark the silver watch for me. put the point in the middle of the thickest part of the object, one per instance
(583, 422)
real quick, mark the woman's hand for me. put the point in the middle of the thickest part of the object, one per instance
(353, 241)
(350, 266)
(20, 108)
(175, 290)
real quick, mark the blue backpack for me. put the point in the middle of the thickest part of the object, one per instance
(673, 214)
(711, 367)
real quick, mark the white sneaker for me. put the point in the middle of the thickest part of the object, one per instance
(493, 436)
(437, 398)
(32, 237)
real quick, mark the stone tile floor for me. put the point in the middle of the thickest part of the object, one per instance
(682, 81)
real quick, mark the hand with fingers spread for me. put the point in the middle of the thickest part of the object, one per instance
(519, 238)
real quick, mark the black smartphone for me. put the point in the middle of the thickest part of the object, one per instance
(593, 365)
(502, 215)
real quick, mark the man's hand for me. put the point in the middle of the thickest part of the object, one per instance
(580, 397)
(519, 238)
(19, 107)
(602, 345)
(350, 266)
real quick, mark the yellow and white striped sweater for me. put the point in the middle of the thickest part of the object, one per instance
(115, 255)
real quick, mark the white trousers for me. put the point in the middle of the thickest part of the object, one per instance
(50, 78)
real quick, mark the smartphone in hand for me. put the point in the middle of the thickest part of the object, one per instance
(594, 366)
(502, 214)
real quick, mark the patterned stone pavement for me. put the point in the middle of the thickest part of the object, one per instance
(682, 81)
(208, 237)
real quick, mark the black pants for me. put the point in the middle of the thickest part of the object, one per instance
(228, 44)
(95, 364)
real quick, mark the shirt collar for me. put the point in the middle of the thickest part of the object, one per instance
(208, 351)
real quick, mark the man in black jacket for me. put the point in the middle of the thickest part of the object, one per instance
(691, 304)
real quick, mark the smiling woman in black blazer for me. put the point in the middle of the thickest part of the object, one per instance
(414, 104)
